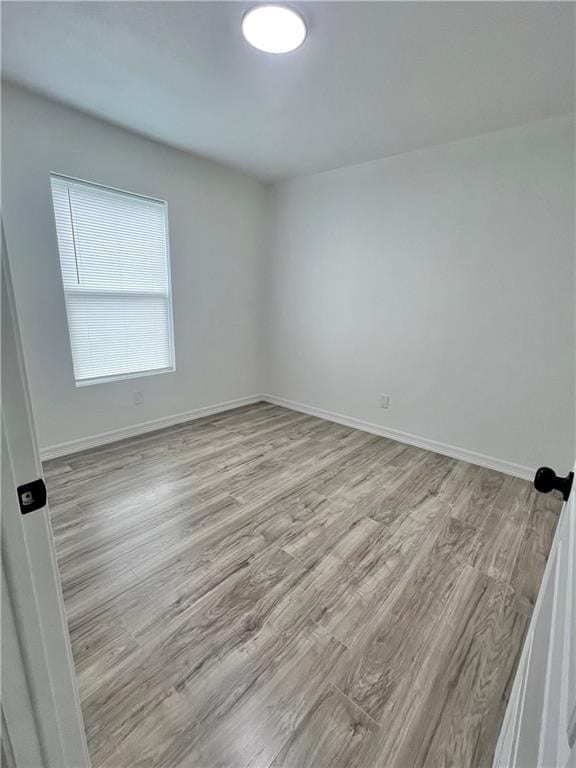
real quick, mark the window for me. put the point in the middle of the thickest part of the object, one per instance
(116, 274)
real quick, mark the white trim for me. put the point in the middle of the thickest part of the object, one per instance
(103, 438)
(123, 376)
(463, 454)
(30, 570)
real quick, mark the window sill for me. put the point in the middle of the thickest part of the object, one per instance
(123, 377)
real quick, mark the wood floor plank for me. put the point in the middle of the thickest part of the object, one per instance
(264, 588)
(258, 725)
(392, 642)
(502, 530)
(534, 548)
(330, 735)
(422, 481)
(476, 494)
(448, 712)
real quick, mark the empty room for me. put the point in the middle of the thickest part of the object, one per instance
(288, 384)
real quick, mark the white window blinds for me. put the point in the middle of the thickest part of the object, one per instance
(116, 274)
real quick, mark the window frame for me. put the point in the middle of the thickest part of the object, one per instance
(80, 291)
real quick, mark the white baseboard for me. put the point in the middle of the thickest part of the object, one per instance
(103, 438)
(463, 454)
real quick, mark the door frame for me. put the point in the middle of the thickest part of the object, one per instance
(539, 726)
(43, 718)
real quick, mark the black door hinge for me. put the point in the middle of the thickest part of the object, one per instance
(31, 496)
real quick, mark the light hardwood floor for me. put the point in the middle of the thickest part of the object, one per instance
(263, 588)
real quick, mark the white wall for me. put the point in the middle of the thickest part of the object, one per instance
(444, 278)
(216, 223)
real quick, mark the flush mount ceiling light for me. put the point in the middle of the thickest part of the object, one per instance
(274, 28)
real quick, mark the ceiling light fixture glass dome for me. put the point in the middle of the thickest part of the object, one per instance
(274, 28)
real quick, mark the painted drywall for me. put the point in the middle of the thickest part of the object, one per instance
(216, 224)
(443, 278)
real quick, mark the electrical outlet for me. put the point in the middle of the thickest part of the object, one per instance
(384, 401)
(138, 398)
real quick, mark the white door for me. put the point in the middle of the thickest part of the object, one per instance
(539, 728)
(41, 717)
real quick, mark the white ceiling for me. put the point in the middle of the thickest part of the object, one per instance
(372, 79)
